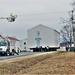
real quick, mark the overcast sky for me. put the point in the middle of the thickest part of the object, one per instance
(31, 13)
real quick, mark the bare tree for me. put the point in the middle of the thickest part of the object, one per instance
(67, 29)
(66, 33)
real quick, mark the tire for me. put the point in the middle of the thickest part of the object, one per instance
(7, 53)
(12, 53)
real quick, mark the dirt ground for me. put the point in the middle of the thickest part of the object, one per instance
(40, 64)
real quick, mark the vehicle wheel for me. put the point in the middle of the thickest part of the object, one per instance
(12, 53)
(7, 53)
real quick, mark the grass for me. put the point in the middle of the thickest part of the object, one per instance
(45, 64)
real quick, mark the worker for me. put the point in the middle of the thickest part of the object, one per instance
(47, 48)
(18, 49)
(14, 51)
(11, 14)
(67, 48)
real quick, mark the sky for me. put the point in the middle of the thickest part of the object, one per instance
(30, 13)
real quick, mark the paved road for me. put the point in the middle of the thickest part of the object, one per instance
(20, 54)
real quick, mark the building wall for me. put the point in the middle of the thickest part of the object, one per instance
(23, 44)
(17, 45)
(12, 44)
(44, 34)
(56, 38)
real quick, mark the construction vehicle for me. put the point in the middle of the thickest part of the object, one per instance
(11, 18)
(6, 48)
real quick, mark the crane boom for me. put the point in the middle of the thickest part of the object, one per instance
(11, 18)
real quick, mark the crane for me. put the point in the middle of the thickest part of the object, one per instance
(11, 18)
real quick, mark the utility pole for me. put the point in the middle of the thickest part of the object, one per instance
(72, 33)
(73, 29)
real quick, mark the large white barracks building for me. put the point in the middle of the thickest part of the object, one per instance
(41, 35)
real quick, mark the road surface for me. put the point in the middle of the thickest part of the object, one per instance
(20, 54)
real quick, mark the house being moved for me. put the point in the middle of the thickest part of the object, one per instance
(42, 36)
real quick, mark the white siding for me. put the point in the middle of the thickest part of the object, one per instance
(17, 45)
(12, 44)
(23, 44)
(56, 38)
(47, 36)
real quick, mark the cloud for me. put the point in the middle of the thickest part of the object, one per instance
(31, 13)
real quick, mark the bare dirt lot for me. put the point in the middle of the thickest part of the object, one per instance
(42, 64)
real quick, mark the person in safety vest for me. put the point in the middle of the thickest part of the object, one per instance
(47, 48)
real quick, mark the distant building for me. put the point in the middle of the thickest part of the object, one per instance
(14, 42)
(23, 44)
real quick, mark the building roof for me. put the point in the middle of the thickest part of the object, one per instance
(39, 26)
(2, 37)
(12, 38)
(43, 26)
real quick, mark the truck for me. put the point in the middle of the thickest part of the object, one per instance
(6, 48)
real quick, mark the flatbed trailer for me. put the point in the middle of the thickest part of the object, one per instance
(44, 49)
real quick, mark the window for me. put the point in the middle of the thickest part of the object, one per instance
(3, 43)
(38, 42)
(38, 34)
(24, 43)
(24, 47)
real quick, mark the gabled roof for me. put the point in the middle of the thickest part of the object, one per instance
(12, 38)
(2, 37)
(40, 25)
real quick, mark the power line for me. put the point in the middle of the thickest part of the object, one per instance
(57, 12)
